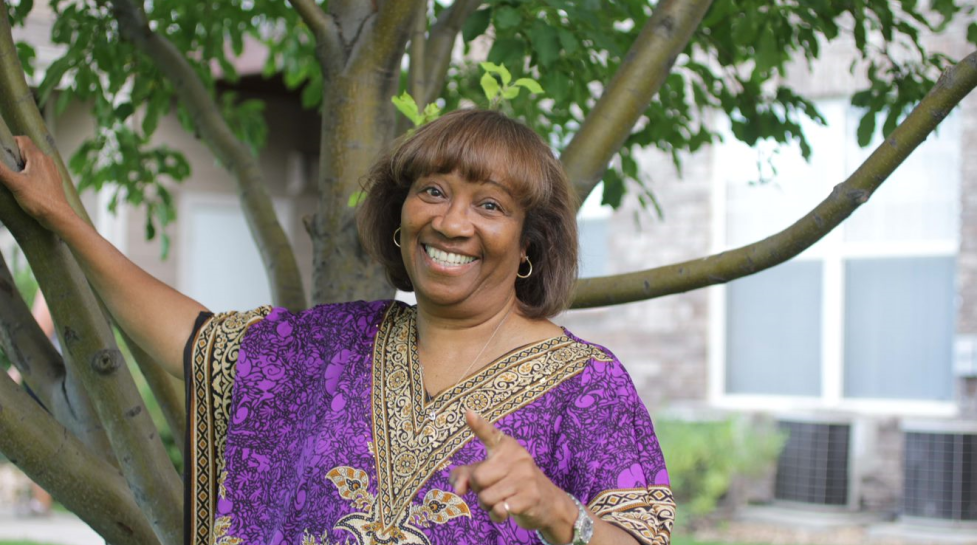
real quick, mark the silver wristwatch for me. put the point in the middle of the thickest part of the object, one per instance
(583, 528)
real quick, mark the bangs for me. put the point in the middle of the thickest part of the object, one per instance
(479, 148)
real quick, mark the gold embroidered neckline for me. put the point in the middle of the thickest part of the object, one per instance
(429, 401)
(410, 446)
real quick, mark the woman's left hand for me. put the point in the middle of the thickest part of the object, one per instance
(509, 484)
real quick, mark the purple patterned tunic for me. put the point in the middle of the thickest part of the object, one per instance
(313, 429)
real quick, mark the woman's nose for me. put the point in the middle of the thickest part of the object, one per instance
(454, 222)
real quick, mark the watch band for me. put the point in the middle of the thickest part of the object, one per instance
(583, 528)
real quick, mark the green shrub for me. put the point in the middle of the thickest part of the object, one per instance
(705, 458)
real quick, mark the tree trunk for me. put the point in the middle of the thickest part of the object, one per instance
(358, 125)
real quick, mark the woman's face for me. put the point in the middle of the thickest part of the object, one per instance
(460, 241)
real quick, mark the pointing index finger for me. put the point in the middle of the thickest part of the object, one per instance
(489, 435)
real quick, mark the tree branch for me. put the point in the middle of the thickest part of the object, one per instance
(317, 20)
(418, 42)
(27, 121)
(91, 353)
(25, 344)
(167, 389)
(627, 96)
(847, 196)
(53, 458)
(43, 368)
(329, 48)
(385, 37)
(440, 43)
(275, 249)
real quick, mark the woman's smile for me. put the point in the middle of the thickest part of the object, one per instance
(447, 258)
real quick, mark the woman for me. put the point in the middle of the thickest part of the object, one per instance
(470, 418)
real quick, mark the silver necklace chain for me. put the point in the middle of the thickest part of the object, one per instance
(431, 414)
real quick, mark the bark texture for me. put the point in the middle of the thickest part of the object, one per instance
(56, 460)
(84, 334)
(357, 126)
(91, 352)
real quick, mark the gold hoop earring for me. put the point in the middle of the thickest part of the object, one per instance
(530, 269)
(396, 236)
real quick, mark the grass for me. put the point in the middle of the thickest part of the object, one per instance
(683, 540)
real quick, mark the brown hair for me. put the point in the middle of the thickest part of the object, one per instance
(478, 144)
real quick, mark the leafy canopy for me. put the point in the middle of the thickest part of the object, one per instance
(570, 48)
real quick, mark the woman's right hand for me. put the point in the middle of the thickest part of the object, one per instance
(37, 188)
(155, 315)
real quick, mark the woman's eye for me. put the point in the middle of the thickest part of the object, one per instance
(433, 191)
(492, 206)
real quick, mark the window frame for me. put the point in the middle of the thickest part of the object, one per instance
(833, 252)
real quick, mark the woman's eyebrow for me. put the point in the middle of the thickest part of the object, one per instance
(501, 185)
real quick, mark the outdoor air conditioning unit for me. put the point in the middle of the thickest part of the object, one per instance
(813, 467)
(940, 470)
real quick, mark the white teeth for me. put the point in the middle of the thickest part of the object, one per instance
(445, 258)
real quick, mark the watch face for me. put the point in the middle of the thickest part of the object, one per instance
(584, 530)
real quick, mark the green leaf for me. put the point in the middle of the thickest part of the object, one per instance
(431, 112)
(164, 247)
(972, 33)
(530, 84)
(767, 51)
(569, 42)
(558, 84)
(546, 43)
(406, 105)
(64, 98)
(124, 110)
(53, 77)
(866, 128)
(476, 24)
(509, 51)
(159, 104)
(499, 69)
(26, 55)
(490, 86)
(356, 198)
(510, 93)
(312, 93)
(507, 17)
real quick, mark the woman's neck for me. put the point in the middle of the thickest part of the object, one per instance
(456, 345)
(448, 329)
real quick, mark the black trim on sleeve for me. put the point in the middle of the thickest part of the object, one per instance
(188, 382)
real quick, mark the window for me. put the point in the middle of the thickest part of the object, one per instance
(219, 263)
(867, 313)
(592, 224)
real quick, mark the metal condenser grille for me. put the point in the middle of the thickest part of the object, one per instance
(813, 467)
(940, 480)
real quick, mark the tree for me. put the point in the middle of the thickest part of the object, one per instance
(618, 76)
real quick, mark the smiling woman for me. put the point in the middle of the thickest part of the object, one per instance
(470, 418)
(491, 153)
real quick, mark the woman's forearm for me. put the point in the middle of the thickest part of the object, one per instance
(156, 316)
